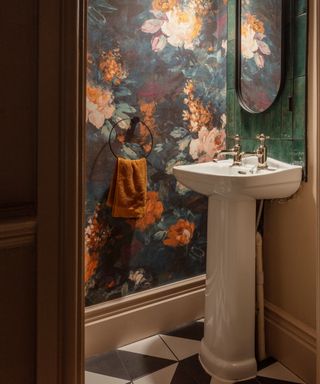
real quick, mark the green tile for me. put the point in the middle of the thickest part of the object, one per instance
(230, 142)
(301, 6)
(231, 65)
(231, 130)
(272, 120)
(274, 148)
(299, 152)
(247, 123)
(249, 145)
(278, 122)
(288, 49)
(286, 151)
(299, 108)
(287, 115)
(237, 115)
(280, 149)
(232, 19)
(301, 42)
(251, 124)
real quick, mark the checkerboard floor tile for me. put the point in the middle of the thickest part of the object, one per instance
(169, 358)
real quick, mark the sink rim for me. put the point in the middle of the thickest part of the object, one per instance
(212, 179)
(200, 168)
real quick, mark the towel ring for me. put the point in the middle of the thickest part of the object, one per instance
(130, 132)
(134, 121)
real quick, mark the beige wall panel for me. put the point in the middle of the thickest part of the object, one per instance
(18, 98)
(17, 315)
(290, 256)
(290, 229)
(292, 353)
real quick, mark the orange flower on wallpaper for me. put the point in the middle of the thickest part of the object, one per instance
(202, 7)
(179, 234)
(163, 5)
(90, 61)
(147, 111)
(96, 234)
(154, 210)
(147, 147)
(111, 67)
(198, 115)
(99, 106)
(90, 265)
(121, 138)
(255, 24)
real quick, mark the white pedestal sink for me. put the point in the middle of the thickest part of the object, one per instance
(228, 347)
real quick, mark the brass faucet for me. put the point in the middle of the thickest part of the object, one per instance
(238, 156)
(235, 151)
(262, 151)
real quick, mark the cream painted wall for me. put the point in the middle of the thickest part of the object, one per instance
(290, 228)
(290, 255)
(290, 250)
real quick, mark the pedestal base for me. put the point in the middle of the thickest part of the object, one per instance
(226, 372)
(228, 347)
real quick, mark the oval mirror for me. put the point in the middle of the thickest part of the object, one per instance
(259, 53)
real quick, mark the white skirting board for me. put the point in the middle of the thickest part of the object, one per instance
(125, 320)
(291, 342)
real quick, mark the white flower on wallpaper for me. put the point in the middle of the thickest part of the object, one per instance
(177, 23)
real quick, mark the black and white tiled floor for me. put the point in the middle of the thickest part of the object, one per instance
(170, 358)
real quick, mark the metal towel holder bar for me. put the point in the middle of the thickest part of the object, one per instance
(128, 136)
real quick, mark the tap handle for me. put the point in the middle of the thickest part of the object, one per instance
(262, 138)
(236, 139)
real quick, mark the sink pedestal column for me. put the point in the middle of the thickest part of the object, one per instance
(228, 347)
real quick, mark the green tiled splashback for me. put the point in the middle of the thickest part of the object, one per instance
(286, 126)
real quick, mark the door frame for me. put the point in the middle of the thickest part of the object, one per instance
(61, 108)
(317, 120)
(61, 116)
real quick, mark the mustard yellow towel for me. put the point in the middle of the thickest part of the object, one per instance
(128, 190)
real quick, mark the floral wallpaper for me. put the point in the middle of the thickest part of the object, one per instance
(165, 62)
(260, 53)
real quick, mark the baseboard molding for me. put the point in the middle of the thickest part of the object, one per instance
(16, 233)
(291, 341)
(123, 321)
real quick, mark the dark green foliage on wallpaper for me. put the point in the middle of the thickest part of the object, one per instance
(166, 63)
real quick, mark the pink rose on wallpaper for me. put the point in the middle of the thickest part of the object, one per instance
(158, 43)
(252, 44)
(99, 105)
(151, 25)
(207, 144)
(264, 47)
(195, 148)
(214, 141)
(259, 60)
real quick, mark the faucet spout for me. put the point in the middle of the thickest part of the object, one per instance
(243, 155)
(234, 151)
(231, 152)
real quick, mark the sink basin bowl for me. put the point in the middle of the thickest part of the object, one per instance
(279, 181)
(228, 348)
